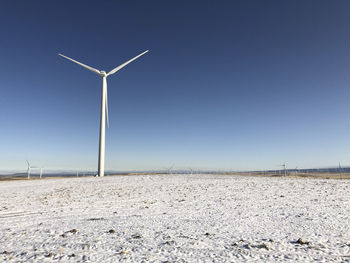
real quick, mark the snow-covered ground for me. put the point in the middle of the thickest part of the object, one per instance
(175, 218)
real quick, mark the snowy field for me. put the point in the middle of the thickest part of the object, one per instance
(175, 218)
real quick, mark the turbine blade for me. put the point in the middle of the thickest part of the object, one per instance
(81, 64)
(28, 163)
(106, 106)
(126, 63)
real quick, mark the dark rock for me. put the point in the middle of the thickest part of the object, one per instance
(136, 236)
(96, 219)
(302, 242)
(111, 231)
(263, 245)
(169, 242)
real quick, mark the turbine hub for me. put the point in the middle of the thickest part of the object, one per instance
(103, 73)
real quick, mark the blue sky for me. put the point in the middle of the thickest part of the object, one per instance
(226, 84)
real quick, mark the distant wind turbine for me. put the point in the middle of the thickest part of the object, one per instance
(28, 169)
(104, 107)
(340, 171)
(284, 168)
(170, 168)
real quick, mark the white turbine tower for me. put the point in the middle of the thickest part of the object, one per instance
(28, 169)
(104, 106)
(284, 168)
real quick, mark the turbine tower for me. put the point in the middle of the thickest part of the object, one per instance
(104, 106)
(284, 168)
(28, 169)
(340, 171)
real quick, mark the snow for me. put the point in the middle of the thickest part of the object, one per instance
(175, 218)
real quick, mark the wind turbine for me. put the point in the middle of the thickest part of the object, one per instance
(104, 106)
(28, 169)
(284, 168)
(169, 169)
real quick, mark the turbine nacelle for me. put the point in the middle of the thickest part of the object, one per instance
(103, 73)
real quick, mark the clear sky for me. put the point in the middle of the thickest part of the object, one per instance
(226, 84)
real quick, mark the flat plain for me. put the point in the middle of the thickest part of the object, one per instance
(175, 218)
